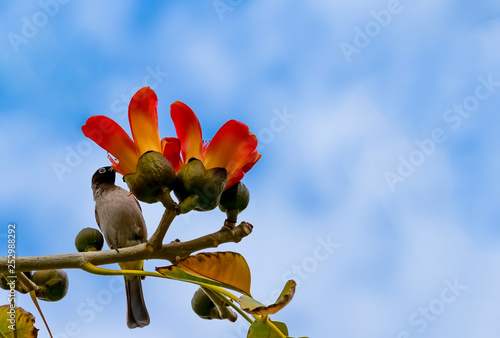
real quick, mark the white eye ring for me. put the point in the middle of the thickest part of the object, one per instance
(102, 170)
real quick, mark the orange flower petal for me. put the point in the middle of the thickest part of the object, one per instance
(110, 136)
(117, 166)
(171, 148)
(188, 131)
(238, 174)
(234, 148)
(143, 118)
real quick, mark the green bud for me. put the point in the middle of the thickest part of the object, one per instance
(211, 307)
(89, 239)
(53, 284)
(154, 174)
(234, 200)
(198, 188)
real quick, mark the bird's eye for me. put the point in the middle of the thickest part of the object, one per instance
(102, 170)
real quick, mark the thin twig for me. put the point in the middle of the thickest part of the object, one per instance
(171, 211)
(27, 283)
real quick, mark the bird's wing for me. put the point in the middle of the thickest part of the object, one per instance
(136, 201)
(97, 218)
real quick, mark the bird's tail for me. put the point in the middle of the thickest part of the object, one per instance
(137, 314)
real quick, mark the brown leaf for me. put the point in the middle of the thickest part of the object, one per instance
(227, 268)
(252, 306)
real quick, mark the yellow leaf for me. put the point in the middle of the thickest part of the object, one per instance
(19, 320)
(227, 269)
(252, 306)
(262, 330)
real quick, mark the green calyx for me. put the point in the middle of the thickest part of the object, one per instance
(198, 188)
(154, 174)
(52, 284)
(234, 200)
(208, 306)
(89, 239)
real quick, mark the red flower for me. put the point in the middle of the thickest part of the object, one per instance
(233, 147)
(143, 119)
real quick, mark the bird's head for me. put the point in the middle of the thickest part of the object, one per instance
(103, 175)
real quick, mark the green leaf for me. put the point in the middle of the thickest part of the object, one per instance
(252, 306)
(226, 269)
(262, 330)
(249, 303)
(20, 319)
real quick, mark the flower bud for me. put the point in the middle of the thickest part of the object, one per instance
(89, 239)
(234, 200)
(207, 307)
(53, 284)
(198, 188)
(154, 173)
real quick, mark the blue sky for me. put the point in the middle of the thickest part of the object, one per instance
(377, 121)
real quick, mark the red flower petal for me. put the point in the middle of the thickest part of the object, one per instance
(171, 148)
(250, 161)
(143, 118)
(110, 136)
(188, 131)
(234, 148)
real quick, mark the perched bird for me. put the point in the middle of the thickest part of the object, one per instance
(119, 216)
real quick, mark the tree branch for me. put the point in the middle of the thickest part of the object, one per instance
(172, 252)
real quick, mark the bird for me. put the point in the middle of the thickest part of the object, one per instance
(119, 216)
